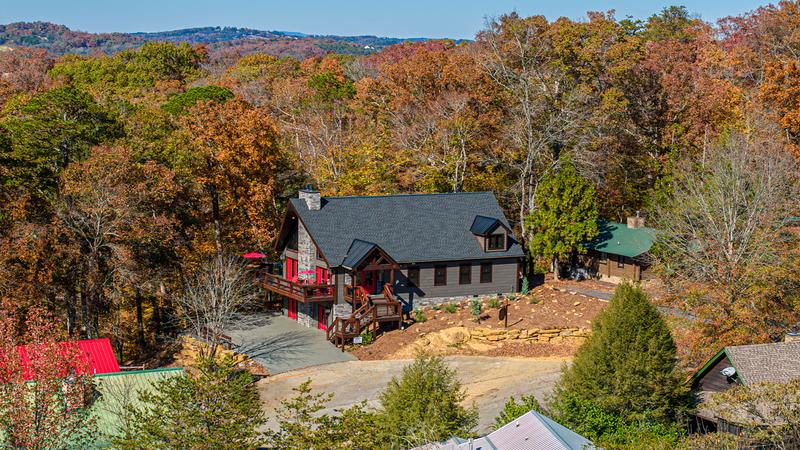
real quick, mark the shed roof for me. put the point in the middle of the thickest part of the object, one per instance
(409, 228)
(530, 431)
(618, 239)
(120, 391)
(96, 353)
(776, 362)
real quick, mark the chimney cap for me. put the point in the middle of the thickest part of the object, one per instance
(308, 188)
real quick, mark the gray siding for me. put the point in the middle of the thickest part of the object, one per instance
(504, 280)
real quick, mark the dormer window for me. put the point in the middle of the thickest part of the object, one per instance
(496, 242)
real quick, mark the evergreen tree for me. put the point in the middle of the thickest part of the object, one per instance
(183, 102)
(49, 132)
(512, 410)
(214, 406)
(566, 216)
(424, 404)
(300, 424)
(626, 368)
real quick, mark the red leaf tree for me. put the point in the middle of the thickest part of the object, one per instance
(45, 384)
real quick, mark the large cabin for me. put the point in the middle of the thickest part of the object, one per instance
(346, 258)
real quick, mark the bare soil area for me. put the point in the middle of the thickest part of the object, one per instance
(543, 308)
(489, 382)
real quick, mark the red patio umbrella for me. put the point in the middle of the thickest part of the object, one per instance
(254, 255)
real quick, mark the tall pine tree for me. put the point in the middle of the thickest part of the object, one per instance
(566, 216)
(627, 367)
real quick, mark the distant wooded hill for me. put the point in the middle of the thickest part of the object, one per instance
(60, 40)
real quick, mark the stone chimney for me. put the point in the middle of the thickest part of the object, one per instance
(311, 197)
(636, 221)
(792, 336)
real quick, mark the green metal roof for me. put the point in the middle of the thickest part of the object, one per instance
(617, 239)
(119, 391)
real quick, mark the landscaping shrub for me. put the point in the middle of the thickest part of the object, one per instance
(450, 308)
(476, 307)
(367, 337)
(494, 303)
(419, 316)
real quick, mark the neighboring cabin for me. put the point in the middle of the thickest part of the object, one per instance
(743, 365)
(339, 253)
(530, 431)
(620, 251)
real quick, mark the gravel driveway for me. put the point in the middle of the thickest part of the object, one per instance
(489, 382)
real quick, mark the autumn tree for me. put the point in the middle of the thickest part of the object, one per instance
(723, 235)
(45, 395)
(566, 216)
(221, 288)
(241, 166)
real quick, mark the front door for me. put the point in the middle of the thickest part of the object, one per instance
(322, 317)
(292, 309)
(368, 281)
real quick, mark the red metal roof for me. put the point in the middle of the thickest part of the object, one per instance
(97, 354)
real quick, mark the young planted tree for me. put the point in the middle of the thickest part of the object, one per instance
(626, 369)
(566, 216)
(216, 405)
(424, 404)
(43, 396)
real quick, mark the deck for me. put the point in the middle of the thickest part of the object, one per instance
(294, 290)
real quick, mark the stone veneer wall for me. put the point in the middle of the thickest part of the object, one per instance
(306, 257)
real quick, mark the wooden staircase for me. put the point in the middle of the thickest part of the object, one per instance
(368, 315)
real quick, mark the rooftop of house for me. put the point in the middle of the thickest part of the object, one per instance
(620, 239)
(531, 431)
(410, 228)
(97, 354)
(119, 392)
(776, 362)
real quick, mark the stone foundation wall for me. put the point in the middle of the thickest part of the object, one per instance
(425, 302)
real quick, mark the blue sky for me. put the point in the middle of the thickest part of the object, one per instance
(403, 18)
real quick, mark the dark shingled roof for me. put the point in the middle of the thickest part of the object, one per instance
(482, 225)
(357, 251)
(410, 228)
(776, 362)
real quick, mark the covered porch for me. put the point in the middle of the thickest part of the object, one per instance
(370, 292)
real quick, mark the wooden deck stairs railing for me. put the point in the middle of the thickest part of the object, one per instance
(367, 317)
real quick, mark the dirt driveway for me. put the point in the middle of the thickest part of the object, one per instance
(489, 382)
